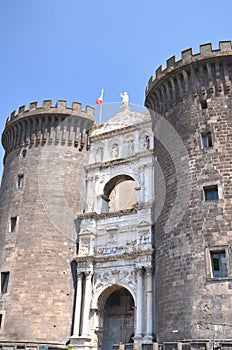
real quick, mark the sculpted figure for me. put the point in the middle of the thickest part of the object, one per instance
(125, 98)
(114, 151)
(131, 147)
(146, 142)
(98, 155)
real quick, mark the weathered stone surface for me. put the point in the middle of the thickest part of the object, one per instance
(38, 305)
(190, 303)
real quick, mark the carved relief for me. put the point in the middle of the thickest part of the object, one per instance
(105, 278)
(146, 142)
(84, 246)
(114, 150)
(98, 154)
(130, 147)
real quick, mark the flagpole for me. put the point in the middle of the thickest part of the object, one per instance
(99, 102)
(100, 115)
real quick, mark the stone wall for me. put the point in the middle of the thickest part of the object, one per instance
(38, 304)
(191, 302)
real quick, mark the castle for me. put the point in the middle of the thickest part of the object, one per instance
(118, 236)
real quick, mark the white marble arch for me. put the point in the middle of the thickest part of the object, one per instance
(111, 287)
(109, 184)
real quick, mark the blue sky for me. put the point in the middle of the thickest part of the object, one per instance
(70, 49)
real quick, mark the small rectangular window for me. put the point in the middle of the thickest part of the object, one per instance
(218, 263)
(204, 104)
(206, 140)
(20, 181)
(211, 193)
(0, 321)
(13, 223)
(4, 281)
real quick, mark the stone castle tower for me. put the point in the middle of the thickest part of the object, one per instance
(95, 254)
(37, 242)
(193, 255)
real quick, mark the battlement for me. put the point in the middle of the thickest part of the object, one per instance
(48, 124)
(187, 57)
(60, 107)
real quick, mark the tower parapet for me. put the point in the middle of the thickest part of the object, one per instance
(57, 124)
(205, 74)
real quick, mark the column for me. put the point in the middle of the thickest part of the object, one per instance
(139, 313)
(77, 318)
(86, 305)
(149, 291)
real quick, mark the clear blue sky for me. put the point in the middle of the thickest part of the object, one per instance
(70, 49)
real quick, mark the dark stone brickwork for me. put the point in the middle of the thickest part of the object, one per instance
(38, 305)
(188, 300)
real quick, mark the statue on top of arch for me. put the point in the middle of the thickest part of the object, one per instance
(125, 101)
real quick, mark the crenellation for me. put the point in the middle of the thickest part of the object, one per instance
(34, 105)
(159, 70)
(171, 62)
(207, 71)
(152, 78)
(47, 107)
(188, 57)
(22, 109)
(76, 106)
(62, 104)
(46, 104)
(42, 125)
(206, 49)
(90, 111)
(225, 46)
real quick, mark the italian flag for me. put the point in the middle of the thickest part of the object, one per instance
(100, 98)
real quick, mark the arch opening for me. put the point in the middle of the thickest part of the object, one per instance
(118, 316)
(119, 193)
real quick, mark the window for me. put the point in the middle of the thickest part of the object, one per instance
(20, 181)
(204, 104)
(218, 263)
(0, 321)
(24, 153)
(4, 281)
(211, 193)
(13, 223)
(206, 140)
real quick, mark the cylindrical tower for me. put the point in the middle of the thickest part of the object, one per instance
(41, 193)
(192, 103)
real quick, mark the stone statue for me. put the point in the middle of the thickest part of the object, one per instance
(125, 98)
(114, 151)
(98, 154)
(146, 142)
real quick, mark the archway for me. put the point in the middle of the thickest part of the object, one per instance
(120, 193)
(118, 317)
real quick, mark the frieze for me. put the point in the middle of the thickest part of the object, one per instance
(127, 256)
(94, 215)
(126, 277)
(144, 241)
(114, 162)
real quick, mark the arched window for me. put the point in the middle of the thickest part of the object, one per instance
(120, 193)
